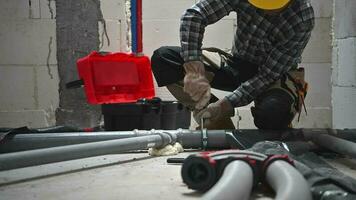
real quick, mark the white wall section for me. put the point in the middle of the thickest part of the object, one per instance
(28, 63)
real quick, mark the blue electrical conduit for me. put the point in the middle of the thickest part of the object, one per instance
(133, 10)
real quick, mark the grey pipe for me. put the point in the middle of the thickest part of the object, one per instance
(335, 144)
(188, 138)
(287, 182)
(235, 183)
(70, 152)
(23, 142)
(193, 139)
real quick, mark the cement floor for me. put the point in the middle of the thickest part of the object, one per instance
(125, 176)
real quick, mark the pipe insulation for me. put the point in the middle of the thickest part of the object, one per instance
(235, 183)
(287, 182)
(56, 154)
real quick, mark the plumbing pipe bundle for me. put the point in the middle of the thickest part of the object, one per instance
(70, 152)
(188, 138)
(82, 145)
(232, 174)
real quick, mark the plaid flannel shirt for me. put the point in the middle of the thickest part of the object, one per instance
(275, 42)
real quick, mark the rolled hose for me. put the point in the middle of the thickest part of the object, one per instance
(287, 182)
(235, 183)
(201, 172)
(232, 174)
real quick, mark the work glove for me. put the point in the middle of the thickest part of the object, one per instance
(196, 84)
(215, 113)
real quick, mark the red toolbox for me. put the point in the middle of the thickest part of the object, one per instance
(116, 77)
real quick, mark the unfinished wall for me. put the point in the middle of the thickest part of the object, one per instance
(77, 36)
(84, 26)
(28, 64)
(114, 33)
(344, 64)
(317, 62)
(161, 21)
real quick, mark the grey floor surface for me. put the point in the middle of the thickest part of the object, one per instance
(125, 176)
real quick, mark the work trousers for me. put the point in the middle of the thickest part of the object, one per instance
(167, 67)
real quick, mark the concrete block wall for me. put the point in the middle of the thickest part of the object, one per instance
(161, 28)
(28, 64)
(114, 37)
(344, 64)
(317, 62)
(161, 20)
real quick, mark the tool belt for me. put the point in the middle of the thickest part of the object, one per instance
(294, 84)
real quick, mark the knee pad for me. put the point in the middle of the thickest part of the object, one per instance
(273, 110)
(156, 59)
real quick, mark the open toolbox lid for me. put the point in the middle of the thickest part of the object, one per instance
(116, 77)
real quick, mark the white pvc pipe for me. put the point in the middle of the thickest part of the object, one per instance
(287, 182)
(235, 183)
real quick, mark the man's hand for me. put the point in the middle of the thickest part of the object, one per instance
(196, 84)
(215, 112)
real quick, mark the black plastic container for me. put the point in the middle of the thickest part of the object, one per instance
(169, 115)
(127, 117)
(145, 115)
(183, 117)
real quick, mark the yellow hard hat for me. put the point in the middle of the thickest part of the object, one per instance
(269, 4)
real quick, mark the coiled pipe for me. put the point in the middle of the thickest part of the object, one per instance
(287, 182)
(235, 183)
